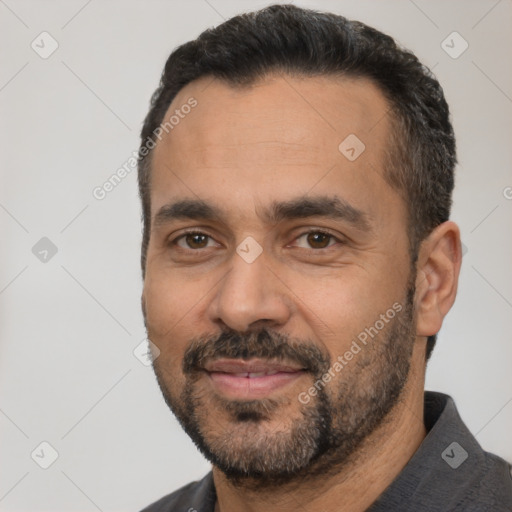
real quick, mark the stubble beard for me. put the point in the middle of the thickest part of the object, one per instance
(319, 437)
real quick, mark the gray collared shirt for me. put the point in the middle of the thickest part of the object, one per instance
(448, 472)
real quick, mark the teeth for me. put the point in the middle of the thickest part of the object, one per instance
(251, 375)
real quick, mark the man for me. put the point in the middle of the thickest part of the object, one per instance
(296, 172)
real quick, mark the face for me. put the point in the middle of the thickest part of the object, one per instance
(278, 286)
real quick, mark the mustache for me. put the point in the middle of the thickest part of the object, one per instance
(263, 344)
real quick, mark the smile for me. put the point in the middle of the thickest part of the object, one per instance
(251, 379)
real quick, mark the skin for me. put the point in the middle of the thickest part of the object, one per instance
(240, 150)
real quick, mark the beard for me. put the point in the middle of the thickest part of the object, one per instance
(311, 439)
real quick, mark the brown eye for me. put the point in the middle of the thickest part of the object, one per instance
(316, 240)
(319, 240)
(194, 241)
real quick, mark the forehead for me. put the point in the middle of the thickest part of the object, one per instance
(279, 136)
(307, 112)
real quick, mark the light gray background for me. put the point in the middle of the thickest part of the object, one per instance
(69, 326)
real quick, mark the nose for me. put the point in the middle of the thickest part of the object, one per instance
(250, 295)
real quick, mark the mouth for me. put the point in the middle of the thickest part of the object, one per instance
(253, 379)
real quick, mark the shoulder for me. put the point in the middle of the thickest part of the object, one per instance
(493, 486)
(470, 478)
(193, 497)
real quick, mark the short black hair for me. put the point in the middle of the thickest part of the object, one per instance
(302, 42)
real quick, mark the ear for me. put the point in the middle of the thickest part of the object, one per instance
(438, 269)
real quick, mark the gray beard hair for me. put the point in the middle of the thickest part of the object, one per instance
(326, 431)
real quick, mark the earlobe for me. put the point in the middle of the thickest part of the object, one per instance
(437, 278)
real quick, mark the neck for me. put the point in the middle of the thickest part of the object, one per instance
(362, 479)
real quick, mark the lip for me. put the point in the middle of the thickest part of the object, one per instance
(251, 379)
(226, 365)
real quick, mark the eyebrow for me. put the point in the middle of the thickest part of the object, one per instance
(331, 207)
(193, 209)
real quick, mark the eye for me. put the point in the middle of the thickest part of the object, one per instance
(194, 240)
(316, 240)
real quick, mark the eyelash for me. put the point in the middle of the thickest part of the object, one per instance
(186, 233)
(305, 233)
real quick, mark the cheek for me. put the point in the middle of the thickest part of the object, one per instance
(167, 314)
(167, 300)
(342, 306)
(163, 315)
